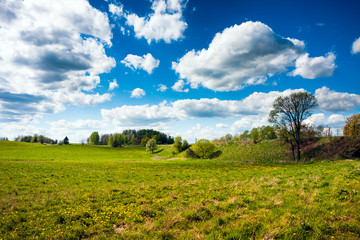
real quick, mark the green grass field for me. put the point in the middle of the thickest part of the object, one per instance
(75, 191)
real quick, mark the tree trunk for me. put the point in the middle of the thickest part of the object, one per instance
(297, 140)
(298, 152)
(293, 152)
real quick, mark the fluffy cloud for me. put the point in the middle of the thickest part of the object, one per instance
(242, 55)
(44, 54)
(255, 104)
(198, 132)
(165, 23)
(249, 122)
(314, 67)
(356, 46)
(147, 62)
(12, 130)
(221, 125)
(334, 120)
(162, 88)
(116, 10)
(331, 101)
(77, 130)
(246, 113)
(140, 115)
(113, 85)
(250, 112)
(179, 86)
(138, 93)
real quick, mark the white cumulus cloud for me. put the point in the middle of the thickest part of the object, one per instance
(179, 86)
(199, 131)
(332, 101)
(255, 104)
(252, 111)
(356, 46)
(242, 55)
(146, 62)
(164, 23)
(140, 114)
(334, 120)
(315, 67)
(113, 85)
(116, 10)
(45, 55)
(249, 122)
(162, 88)
(138, 93)
(221, 125)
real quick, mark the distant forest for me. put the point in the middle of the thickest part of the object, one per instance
(128, 137)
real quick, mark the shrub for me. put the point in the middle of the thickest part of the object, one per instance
(203, 148)
(66, 140)
(185, 145)
(176, 147)
(151, 146)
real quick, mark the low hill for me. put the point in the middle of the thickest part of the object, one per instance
(267, 151)
(333, 148)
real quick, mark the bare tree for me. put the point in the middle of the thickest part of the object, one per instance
(289, 112)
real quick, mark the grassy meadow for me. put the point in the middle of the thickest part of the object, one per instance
(98, 192)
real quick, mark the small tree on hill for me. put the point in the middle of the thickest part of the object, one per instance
(286, 137)
(352, 125)
(228, 138)
(290, 112)
(66, 140)
(151, 146)
(203, 148)
(176, 147)
(244, 136)
(254, 135)
(267, 133)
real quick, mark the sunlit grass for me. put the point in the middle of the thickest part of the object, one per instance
(107, 193)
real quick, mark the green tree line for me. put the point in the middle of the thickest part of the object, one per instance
(130, 137)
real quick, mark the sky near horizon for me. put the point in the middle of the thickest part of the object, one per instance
(196, 69)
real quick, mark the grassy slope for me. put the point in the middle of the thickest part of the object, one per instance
(96, 192)
(29, 151)
(269, 151)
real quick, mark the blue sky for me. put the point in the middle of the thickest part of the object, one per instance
(198, 69)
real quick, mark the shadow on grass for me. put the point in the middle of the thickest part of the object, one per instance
(158, 151)
(216, 154)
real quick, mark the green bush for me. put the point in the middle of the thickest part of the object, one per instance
(151, 146)
(203, 148)
(176, 147)
(185, 145)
